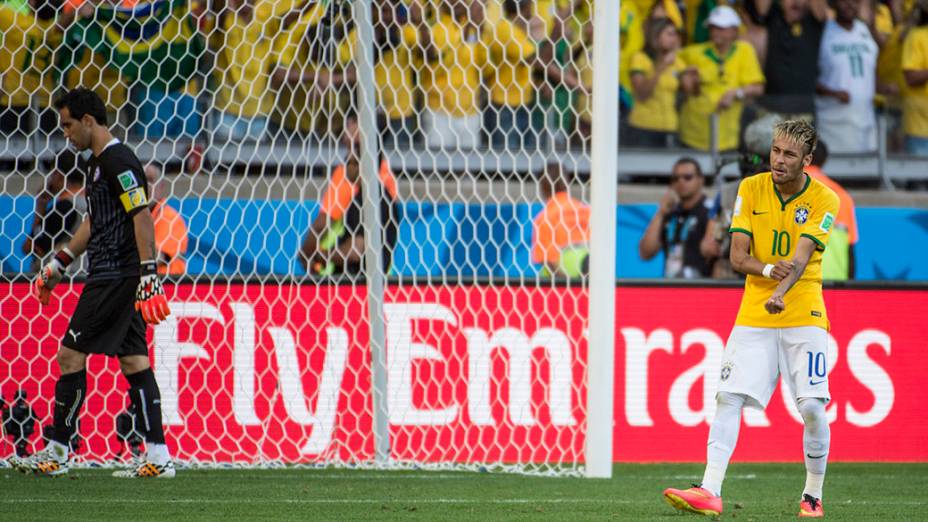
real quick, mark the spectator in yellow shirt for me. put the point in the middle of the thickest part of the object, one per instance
(653, 121)
(311, 88)
(451, 76)
(27, 42)
(631, 35)
(244, 56)
(512, 43)
(915, 69)
(728, 74)
(396, 45)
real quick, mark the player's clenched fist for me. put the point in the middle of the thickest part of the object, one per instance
(149, 297)
(775, 304)
(781, 270)
(51, 275)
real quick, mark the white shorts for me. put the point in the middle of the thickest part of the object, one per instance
(755, 358)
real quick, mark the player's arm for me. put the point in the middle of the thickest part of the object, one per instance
(149, 296)
(652, 241)
(50, 274)
(804, 251)
(309, 249)
(742, 260)
(819, 9)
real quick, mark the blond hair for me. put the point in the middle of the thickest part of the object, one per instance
(797, 131)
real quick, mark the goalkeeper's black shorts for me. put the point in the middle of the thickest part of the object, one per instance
(106, 321)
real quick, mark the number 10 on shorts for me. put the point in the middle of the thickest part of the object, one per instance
(818, 366)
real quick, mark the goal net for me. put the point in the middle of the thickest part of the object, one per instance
(250, 118)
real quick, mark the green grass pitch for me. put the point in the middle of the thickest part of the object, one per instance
(752, 492)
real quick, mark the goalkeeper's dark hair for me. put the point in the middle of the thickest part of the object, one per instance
(81, 101)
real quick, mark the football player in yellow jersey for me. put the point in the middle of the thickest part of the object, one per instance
(781, 223)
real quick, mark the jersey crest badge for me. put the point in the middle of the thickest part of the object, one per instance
(802, 214)
(726, 371)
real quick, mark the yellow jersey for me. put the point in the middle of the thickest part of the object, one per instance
(393, 72)
(775, 226)
(915, 103)
(717, 74)
(508, 71)
(300, 107)
(452, 82)
(245, 55)
(26, 58)
(659, 111)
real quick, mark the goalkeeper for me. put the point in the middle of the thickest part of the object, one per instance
(121, 295)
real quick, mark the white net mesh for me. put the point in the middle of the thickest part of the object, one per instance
(246, 114)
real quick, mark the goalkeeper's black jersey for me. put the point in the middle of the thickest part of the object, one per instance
(116, 191)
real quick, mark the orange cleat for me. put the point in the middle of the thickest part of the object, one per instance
(811, 507)
(694, 500)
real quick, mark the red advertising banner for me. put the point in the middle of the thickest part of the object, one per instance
(253, 373)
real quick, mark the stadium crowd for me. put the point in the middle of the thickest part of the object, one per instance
(459, 74)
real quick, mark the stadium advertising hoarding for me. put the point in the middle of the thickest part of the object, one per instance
(253, 373)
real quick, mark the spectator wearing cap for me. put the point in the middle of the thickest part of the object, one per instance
(721, 75)
(679, 224)
(561, 231)
(793, 33)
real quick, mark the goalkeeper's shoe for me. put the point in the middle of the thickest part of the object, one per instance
(811, 507)
(148, 469)
(45, 463)
(694, 500)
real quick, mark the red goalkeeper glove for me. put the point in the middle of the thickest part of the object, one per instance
(51, 274)
(149, 297)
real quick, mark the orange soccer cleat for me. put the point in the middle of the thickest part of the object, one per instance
(694, 500)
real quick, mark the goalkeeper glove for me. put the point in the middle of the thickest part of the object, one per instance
(149, 297)
(51, 274)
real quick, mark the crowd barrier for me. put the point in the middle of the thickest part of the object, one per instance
(244, 237)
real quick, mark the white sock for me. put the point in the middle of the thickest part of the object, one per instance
(814, 483)
(157, 453)
(59, 450)
(723, 435)
(816, 440)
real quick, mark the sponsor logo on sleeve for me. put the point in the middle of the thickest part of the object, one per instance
(827, 220)
(127, 180)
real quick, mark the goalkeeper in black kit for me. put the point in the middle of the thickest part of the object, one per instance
(122, 293)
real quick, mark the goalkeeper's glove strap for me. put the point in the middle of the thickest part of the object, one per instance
(65, 257)
(149, 268)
